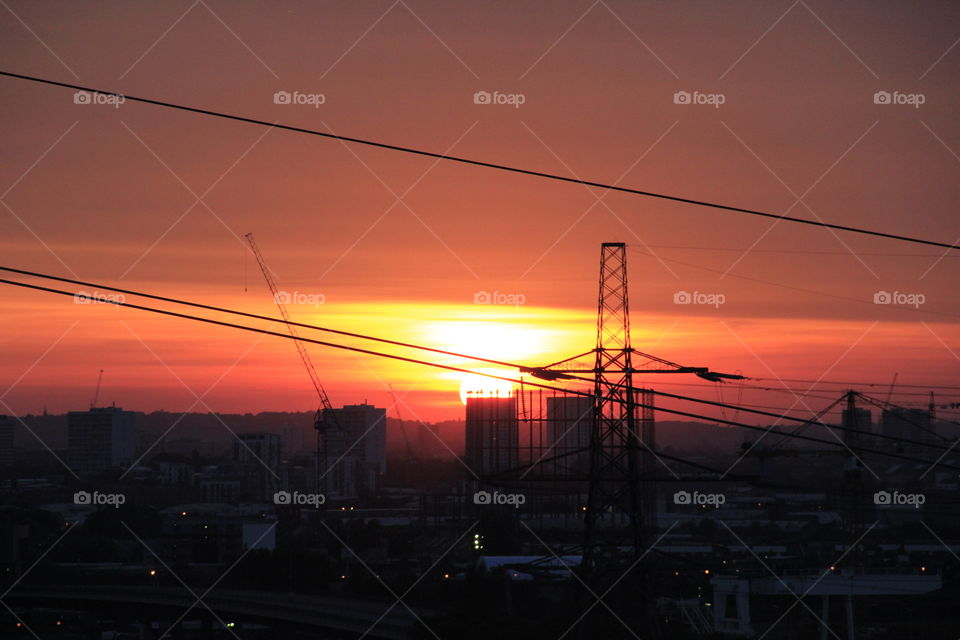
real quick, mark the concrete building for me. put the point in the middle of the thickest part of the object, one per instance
(258, 461)
(100, 440)
(914, 424)
(492, 434)
(6, 441)
(569, 423)
(173, 470)
(356, 450)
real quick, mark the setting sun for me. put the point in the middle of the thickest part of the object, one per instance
(499, 339)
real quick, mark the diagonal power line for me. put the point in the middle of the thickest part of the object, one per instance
(490, 165)
(506, 378)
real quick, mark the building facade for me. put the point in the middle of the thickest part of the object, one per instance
(492, 434)
(258, 457)
(355, 457)
(569, 424)
(100, 440)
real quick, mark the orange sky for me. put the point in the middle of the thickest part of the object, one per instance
(110, 194)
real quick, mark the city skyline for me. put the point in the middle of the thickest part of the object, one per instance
(417, 319)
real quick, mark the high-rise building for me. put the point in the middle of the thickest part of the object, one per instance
(569, 423)
(913, 424)
(492, 434)
(356, 450)
(100, 439)
(6, 441)
(258, 458)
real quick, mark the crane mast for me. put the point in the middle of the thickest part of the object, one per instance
(319, 421)
(278, 300)
(96, 394)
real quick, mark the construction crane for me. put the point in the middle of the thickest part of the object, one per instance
(892, 384)
(411, 458)
(96, 393)
(319, 421)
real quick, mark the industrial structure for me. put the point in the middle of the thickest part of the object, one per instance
(582, 457)
(319, 423)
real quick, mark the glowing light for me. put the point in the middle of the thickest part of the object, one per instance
(501, 338)
(473, 385)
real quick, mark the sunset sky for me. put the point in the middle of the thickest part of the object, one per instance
(399, 246)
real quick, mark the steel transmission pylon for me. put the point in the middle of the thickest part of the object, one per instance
(621, 439)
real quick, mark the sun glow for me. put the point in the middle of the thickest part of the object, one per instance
(472, 385)
(495, 339)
